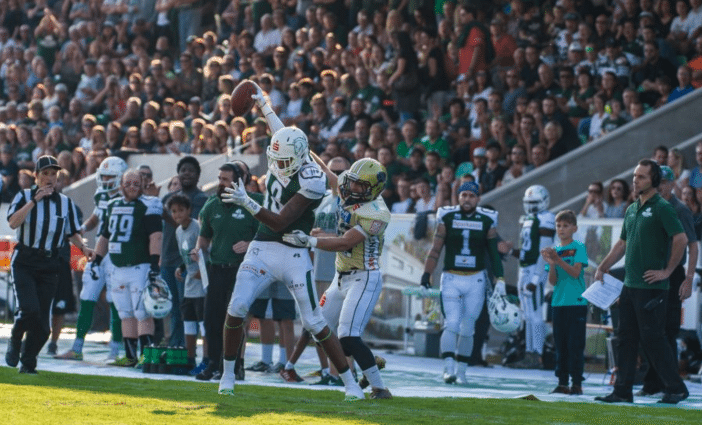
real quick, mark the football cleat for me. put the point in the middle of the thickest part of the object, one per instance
(314, 373)
(289, 375)
(461, 379)
(70, 355)
(28, 370)
(278, 367)
(199, 368)
(449, 378)
(331, 381)
(124, 362)
(380, 394)
(51, 350)
(354, 393)
(260, 367)
(226, 391)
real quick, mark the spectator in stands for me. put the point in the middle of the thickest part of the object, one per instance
(404, 203)
(615, 118)
(696, 174)
(684, 84)
(654, 66)
(405, 80)
(617, 199)
(660, 155)
(494, 171)
(9, 172)
(426, 200)
(676, 162)
(595, 205)
(598, 117)
(518, 165)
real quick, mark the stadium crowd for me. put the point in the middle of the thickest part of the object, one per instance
(495, 88)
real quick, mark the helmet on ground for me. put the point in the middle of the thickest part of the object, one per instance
(536, 199)
(287, 152)
(157, 299)
(504, 312)
(370, 174)
(109, 173)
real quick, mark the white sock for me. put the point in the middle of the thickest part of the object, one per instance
(373, 376)
(115, 346)
(289, 366)
(449, 365)
(282, 355)
(347, 378)
(267, 353)
(325, 372)
(461, 368)
(228, 376)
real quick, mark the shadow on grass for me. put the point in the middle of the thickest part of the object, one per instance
(329, 406)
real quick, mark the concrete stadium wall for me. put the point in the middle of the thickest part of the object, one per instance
(567, 177)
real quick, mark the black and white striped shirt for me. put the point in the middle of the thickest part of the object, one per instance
(53, 219)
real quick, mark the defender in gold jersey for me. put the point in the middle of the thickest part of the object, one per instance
(362, 217)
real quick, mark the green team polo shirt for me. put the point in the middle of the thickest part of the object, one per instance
(439, 146)
(647, 231)
(225, 225)
(404, 151)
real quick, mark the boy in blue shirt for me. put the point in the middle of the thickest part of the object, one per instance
(566, 263)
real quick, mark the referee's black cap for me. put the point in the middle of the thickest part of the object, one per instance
(46, 161)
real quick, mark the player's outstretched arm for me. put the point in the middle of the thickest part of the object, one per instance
(332, 178)
(433, 257)
(274, 123)
(348, 240)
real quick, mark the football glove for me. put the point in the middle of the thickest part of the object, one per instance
(155, 269)
(237, 195)
(500, 287)
(95, 270)
(425, 282)
(300, 238)
(259, 97)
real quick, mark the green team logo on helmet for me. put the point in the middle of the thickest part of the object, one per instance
(371, 176)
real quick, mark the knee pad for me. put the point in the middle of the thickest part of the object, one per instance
(190, 328)
(355, 347)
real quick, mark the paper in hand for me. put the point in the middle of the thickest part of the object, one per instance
(203, 268)
(604, 294)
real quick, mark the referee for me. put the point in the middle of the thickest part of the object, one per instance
(43, 218)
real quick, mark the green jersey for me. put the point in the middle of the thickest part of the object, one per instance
(101, 201)
(128, 227)
(530, 236)
(310, 182)
(466, 238)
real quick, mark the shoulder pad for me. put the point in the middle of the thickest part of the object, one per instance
(442, 211)
(313, 182)
(547, 220)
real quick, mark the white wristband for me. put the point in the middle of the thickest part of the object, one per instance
(312, 242)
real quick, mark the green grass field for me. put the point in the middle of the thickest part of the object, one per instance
(55, 398)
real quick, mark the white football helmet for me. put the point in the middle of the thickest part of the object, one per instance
(536, 199)
(111, 168)
(504, 312)
(287, 152)
(157, 299)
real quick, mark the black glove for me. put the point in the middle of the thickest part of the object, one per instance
(94, 267)
(425, 280)
(155, 270)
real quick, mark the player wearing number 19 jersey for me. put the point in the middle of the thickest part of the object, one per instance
(131, 235)
(96, 277)
(468, 235)
(295, 186)
(538, 229)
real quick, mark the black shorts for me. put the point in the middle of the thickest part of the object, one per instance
(282, 309)
(65, 300)
(193, 309)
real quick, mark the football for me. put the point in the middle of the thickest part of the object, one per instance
(241, 97)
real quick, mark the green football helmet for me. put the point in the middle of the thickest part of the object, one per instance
(370, 174)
